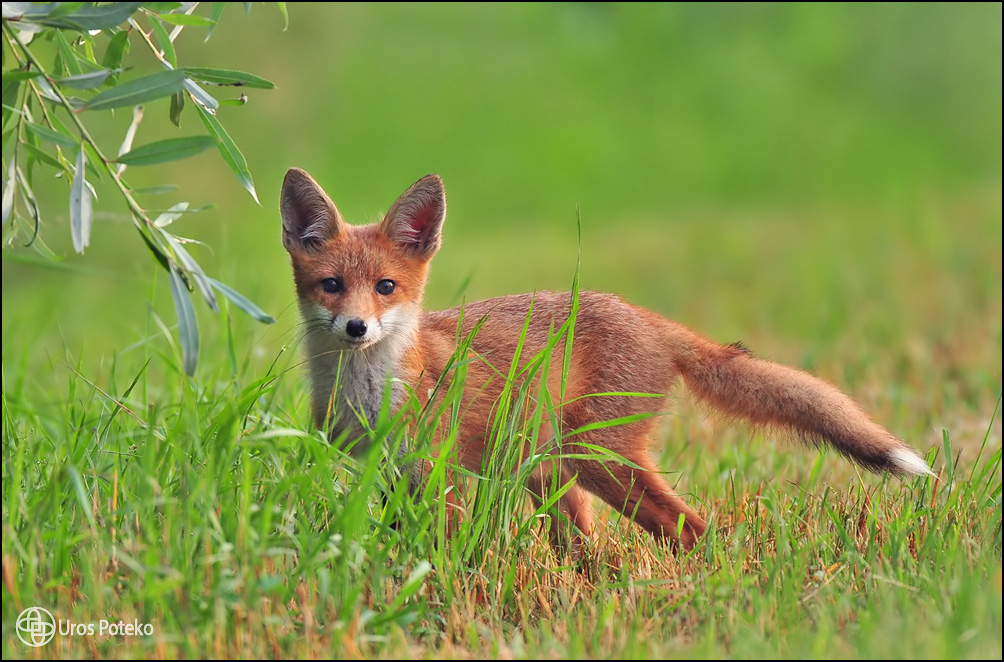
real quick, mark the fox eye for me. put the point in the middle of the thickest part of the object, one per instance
(332, 285)
(385, 287)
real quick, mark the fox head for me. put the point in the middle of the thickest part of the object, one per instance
(359, 286)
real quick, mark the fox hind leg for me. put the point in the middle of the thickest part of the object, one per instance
(643, 495)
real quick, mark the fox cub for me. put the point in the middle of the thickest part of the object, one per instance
(360, 294)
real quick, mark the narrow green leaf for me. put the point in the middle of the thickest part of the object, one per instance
(218, 8)
(67, 54)
(89, 61)
(164, 41)
(87, 81)
(139, 90)
(64, 8)
(247, 8)
(48, 134)
(285, 15)
(231, 154)
(242, 302)
(90, 16)
(46, 89)
(19, 74)
(92, 160)
(156, 190)
(158, 252)
(36, 216)
(194, 270)
(117, 48)
(228, 77)
(170, 149)
(187, 19)
(80, 206)
(46, 158)
(188, 325)
(8, 97)
(171, 215)
(8, 191)
(177, 105)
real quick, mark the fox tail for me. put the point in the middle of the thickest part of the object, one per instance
(734, 382)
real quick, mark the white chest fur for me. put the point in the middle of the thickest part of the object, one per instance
(349, 386)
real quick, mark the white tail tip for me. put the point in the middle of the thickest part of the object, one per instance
(909, 462)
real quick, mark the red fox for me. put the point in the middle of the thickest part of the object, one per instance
(360, 292)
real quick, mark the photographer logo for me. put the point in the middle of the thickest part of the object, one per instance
(36, 627)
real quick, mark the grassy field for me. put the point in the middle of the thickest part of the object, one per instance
(823, 183)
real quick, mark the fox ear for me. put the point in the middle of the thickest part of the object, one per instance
(309, 218)
(415, 222)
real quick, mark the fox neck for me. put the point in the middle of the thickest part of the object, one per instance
(348, 386)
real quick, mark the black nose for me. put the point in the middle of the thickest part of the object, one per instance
(355, 328)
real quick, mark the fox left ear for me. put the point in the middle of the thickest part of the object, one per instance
(415, 222)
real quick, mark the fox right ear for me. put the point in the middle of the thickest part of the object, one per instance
(309, 218)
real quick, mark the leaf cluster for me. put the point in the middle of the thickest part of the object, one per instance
(47, 112)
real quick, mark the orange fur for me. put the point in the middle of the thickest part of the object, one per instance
(617, 348)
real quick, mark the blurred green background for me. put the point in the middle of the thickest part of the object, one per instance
(822, 181)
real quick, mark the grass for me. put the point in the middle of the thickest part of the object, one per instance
(236, 535)
(823, 184)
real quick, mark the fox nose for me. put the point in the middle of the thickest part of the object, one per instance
(355, 328)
